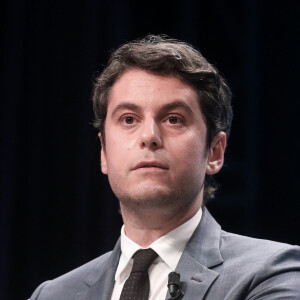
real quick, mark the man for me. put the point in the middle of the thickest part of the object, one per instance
(164, 115)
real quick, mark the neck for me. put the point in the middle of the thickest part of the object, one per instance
(147, 226)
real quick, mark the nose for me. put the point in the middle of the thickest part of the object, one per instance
(150, 135)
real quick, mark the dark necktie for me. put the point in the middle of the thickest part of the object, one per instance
(137, 286)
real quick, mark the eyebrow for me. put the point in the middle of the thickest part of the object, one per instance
(176, 105)
(164, 108)
(124, 106)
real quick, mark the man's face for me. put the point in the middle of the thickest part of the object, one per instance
(155, 142)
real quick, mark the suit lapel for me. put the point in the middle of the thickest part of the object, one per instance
(101, 289)
(200, 256)
(195, 266)
(195, 277)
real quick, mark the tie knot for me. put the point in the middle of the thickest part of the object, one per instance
(142, 259)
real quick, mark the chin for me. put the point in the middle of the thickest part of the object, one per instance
(147, 197)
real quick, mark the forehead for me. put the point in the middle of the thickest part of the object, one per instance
(147, 89)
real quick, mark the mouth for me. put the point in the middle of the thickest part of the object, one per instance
(150, 165)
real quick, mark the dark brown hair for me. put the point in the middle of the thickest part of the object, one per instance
(164, 56)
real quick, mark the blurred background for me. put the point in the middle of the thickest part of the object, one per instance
(57, 210)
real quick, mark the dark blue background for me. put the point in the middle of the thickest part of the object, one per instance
(57, 210)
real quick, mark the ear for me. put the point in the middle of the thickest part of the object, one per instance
(216, 154)
(103, 156)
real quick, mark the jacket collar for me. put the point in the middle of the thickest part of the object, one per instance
(195, 266)
(101, 284)
(204, 245)
(200, 256)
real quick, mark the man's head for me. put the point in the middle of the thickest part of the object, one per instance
(169, 58)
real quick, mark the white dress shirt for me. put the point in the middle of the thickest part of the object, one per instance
(169, 248)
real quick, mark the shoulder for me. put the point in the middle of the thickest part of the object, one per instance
(70, 283)
(262, 267)
(259, 249)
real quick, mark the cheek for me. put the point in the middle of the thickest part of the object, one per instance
(191, 152)
(117, 154)
(189, 146)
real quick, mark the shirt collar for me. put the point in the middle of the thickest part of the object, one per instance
(169, 247)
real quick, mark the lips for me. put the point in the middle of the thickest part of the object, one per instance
(150, 164)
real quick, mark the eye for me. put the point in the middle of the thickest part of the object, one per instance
(173, 120)
(129, 120)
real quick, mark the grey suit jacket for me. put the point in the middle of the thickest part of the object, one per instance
(214, 265)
